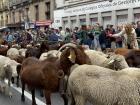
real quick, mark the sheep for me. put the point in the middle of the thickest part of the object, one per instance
(3, 49)
(13, 64)
(7, 70)
(96, 57)
(115, 62)
(49, 54)
(79, 56)
(103, 86)
(22, 52)
(5, 73)
(13, 53)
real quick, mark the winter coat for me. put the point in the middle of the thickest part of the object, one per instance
(128, 39)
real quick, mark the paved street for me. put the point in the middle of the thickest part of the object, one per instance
(16, 99)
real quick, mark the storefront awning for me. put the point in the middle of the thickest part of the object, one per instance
(43, 23)
(16, 25)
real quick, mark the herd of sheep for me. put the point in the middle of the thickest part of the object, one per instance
(107, 80)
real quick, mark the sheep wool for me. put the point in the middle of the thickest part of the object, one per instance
(22, 52)
(51, 53)
(96, 57)
(13, 53)
(103, 86)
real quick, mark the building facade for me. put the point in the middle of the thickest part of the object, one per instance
(19, 12)
(74, 13)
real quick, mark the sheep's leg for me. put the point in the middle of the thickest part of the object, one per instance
(9, 85)
(48, 97)
(18, 72)
(23, 88)
(65, 99)
(62, 89)
(79, 100)
(17, 81)
(41, 93)
(12, 80)
(33, 97)
(72, 99)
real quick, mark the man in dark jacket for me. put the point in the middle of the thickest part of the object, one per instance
(102, 39)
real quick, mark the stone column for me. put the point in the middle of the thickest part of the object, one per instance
(100, 19)
(130, 15)
(69, 22)
(87, 19)
(77, 21)
(114, 18)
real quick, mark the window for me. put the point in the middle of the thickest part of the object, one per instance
(19, 16)
(47, 6)
(13, 15)
(36, 12)
(6, 19)
(27, 14)
(47, 13)
(2, 21)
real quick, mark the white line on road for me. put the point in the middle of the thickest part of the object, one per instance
(28, 95)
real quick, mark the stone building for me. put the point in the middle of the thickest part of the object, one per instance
(19, 12)
(72, 13)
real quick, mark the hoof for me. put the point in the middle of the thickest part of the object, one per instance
(22, 98)
(41, 95)
(17, 85)
(12, 80)
(10, 95)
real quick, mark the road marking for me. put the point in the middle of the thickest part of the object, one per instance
(27, 95)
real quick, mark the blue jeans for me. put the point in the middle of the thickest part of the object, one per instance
(103, 46)
(96, 42)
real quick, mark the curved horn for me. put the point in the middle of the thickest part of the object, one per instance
(60, 74)
(67, 45)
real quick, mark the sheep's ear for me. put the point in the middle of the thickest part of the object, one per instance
(111, 61)
(6, 66)
(72, 56)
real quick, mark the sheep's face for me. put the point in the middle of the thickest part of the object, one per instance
(12, 66)
(117, 62)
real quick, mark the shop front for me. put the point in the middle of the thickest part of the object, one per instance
(116, 13)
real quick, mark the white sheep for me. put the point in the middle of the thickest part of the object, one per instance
(13, 53)
(51, 53)
(22, 52)
(102, 86)
(96, 57)
(7, 70)
(115, 62)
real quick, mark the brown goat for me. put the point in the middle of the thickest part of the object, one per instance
(43, 75)
(3, 51)
(28, 61)
(132, 56)
(122, 51)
